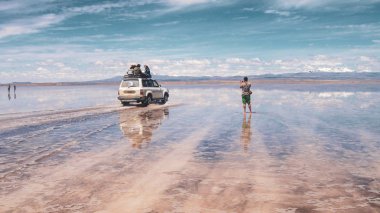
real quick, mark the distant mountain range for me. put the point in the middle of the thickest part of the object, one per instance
(293, 76)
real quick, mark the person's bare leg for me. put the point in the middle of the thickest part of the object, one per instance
(244, 108)
(249, 107)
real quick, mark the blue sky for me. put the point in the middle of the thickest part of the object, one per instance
(51, 40)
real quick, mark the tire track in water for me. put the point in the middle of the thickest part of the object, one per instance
(118, 158)
(21, 165)
(26, 163)
(13, 126)
(34, 114)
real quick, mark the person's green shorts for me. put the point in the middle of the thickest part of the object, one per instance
(246, 99)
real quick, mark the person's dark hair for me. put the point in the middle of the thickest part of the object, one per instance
(245, 78)
(138, 65)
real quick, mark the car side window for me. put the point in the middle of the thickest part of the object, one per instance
(150, 83)
(155, 84)
(145, 83)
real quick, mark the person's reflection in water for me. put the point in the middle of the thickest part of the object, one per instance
(14, 91)
(246, 132)
(9, 96)
(138, 127)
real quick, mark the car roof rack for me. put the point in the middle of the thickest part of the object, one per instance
(127, 76)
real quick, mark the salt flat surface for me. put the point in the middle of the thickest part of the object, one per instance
(48, 98)
(305, 149)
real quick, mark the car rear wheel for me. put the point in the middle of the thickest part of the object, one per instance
(148, 100)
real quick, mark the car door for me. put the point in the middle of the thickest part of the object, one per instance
(145, 85)
(157, 90)
(152, 88)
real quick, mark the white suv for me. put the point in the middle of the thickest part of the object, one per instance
(141, 90)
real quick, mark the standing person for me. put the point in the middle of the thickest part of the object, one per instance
(9, 88)
(14, 88)
(147, 71)
(246, 94)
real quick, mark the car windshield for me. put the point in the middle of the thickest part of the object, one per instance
(130, 83)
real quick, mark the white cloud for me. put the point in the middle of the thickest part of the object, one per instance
(188, 2)
(368, 64)
(244, 61)
(320, 63)
(59, 64)
(310, 4)
(98, 8)
(240, 18)
(9, 5)
(25, 6)
(41, 69)
(166, 23)
(335, 94)
(277, 12)
(99, 62)
(250, 9)
(195, 62)
(29, 25)
(334, 69)
(301, 3)
(75, 62)
(365, 59)
(244, 66)
(176, 5)
(35, 24)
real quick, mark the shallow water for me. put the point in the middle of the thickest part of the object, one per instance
(38, 98)
(304, 149)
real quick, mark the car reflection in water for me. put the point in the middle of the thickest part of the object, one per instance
(138, 127)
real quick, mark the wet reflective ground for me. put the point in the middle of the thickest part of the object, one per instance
(305, 149)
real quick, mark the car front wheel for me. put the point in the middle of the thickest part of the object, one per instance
(166, 98)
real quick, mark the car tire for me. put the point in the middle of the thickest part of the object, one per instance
(147, 101)
(166, 98)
